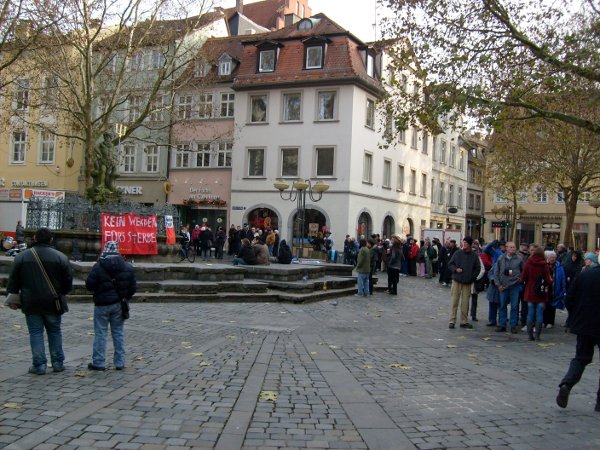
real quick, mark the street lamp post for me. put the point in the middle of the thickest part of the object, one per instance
(297, 193)
(595, 203)
(507, 213)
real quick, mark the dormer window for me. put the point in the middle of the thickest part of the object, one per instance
(314, 57)
(266, 61)
(201, 69)
(225, 65)
(268, 51)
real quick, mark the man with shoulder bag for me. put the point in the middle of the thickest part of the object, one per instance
(112, 281)
(42, 276)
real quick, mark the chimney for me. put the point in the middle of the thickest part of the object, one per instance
(239, 6)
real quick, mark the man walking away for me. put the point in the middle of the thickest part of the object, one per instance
(465, 267)
(37, 299)
(583, 304)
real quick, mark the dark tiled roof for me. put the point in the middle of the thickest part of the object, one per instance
(343, 63)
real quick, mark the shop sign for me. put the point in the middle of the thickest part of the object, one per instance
(57, 196)
(238, 208)
(551, 226)
(130, 190)
(29, 184)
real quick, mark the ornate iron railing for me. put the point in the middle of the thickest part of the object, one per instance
(79, 214)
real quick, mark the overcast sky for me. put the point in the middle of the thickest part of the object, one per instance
(357, 16)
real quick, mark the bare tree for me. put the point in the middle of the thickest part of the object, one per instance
(482, 57)
(113, 63)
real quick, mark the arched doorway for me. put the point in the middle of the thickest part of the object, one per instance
(365, 225)
(408, 227)
(389, 227)
(263, 218)
(314, 221)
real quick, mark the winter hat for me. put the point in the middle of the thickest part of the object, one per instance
(111, 247)
(592, 257)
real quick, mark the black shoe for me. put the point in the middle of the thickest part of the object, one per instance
(562, 399)
(58, 368)
(466, 325)
(514, 330)
(93, 367)
(451, 326)
(474, 319)
(490, 324)
(119, 368)
(597, 408)
(501, 329)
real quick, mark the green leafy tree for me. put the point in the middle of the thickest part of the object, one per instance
(481, 57)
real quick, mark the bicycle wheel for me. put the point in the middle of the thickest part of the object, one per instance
(179, 256)
(191, 255)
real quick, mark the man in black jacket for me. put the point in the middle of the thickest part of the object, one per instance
(465, 267)
(111, 280)
(37, 300)
(583, 304)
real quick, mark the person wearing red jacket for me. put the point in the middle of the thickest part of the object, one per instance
(413, 254)
(534, 267)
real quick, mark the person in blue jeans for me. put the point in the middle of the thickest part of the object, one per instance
(111, 280)
(507, 277)
(363, 267)
(37, 301)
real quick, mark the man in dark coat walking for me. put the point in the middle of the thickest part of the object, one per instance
(583, 304)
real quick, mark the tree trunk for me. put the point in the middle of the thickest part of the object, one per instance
(570, 210)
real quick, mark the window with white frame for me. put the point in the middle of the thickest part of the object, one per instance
(135, 62)
(135, 108)
(461, 161)
(434, 149)
(402, 136)
(522, 197)
(266, 60)
(184, 107)
(560, 197)
(443, 146)
(425, 145)
(19, 146)
(224, 152)
(400, 182)
(370, 65)
(424, 185)
(289, 162)
(292, 106)
(453, 156)
(128, 159)
(370, 122)
(256, 162)
(225, 65)
(22, 94)
(157, 59)
(205, 106)
(367, 168)
(387, 173)
(459, 201)
(432, 190)
(441, 193)
(314, 57)
(182, 156)
(47, 147)
(477, 202)
(258, 108)
(414, 138)
(498, 198)
(451, 195)
(201, 69)
(412, 182)
(203, 153)
(227, 104)
(50, 91)
(325, 158)
(326, 105)
(389, 125)
(584, 197)
(157, 109)
(151, 159)
(540, 194)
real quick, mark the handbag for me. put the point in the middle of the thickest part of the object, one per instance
(124, 302)
(13, 300)
(60, 302)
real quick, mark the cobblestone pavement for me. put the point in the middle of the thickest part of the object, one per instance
(380, 373)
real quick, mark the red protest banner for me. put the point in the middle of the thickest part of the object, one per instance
(135, 234)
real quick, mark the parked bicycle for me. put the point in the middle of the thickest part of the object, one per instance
(186, 251)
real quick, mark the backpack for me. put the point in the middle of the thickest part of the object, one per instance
(540, 287)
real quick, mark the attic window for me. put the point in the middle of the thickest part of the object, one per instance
(266, 61)
(314, 57)
(305, 24)
(225, 65)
